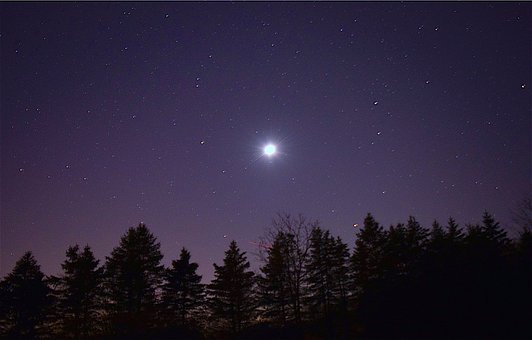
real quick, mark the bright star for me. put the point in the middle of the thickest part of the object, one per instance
(270, 150)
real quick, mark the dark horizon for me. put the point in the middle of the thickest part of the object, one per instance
(120, 113)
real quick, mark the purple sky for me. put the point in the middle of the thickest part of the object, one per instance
(116, 113)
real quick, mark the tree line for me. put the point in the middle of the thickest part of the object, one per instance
(402, 281)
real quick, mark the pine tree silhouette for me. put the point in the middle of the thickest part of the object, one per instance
(183, 292)
(231, 292)
(366, 261)
(326, 272)
(274, 288)
(340, 268)
(24, 297)
(133, 275)
(79, 290)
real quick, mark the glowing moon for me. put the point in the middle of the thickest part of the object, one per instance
(270, 150)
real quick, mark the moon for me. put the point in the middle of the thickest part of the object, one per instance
(270, 150)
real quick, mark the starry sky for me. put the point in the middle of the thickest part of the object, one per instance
(117, 113)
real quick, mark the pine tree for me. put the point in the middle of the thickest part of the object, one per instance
(341, 272)
(395, 257)
(454, 233)
(327, 272)
(367, 255)
(493, 231)
(437, 233)
(274, 288)
(79, 292)
(183, 292)
(133, 274)
(404, 248)
(232, 289)
(24, 297)
(487, 240)
(319, 274)
(417, 237)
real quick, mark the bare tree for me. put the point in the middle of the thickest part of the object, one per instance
(522, 215)
(296, 232)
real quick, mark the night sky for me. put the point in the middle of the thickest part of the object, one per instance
(117, 113)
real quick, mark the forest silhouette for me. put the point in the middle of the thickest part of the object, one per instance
(404, 281)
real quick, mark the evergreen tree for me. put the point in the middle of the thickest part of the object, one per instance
(319, 272)
(405, 246)
(438, 246)
(454, 233)
(133, 274)
(183, 292)
(437, 233)
(486, 241)
(327, 272)
(79, 292)
(340, 267)
(231, 291)
(24, 297)
(367, 255)
(417, 238)
(493, 232)
(274, 288)
(396, 254)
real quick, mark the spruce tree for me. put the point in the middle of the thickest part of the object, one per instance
(395, 257)
(487, 240)
(183, 292)
(327, 272)
(24, 297)
(367, 255)
(340, 269)
(133, 275)
(319, 274)
(274, 288)
(493, 231)
(79, 292)
(404, 249)
(454, 233)
(231, 292)
(437, 233)
(417, 238)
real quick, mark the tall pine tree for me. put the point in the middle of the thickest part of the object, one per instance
(319, 273)
(327, 272)
(24, 298)
(417, 239)
(183, 292)
(366, 261)
(133, 274)
(231, 291)
(340, 267)
(454, 233)
(493, 232)
(79, 293)
(274, 288)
